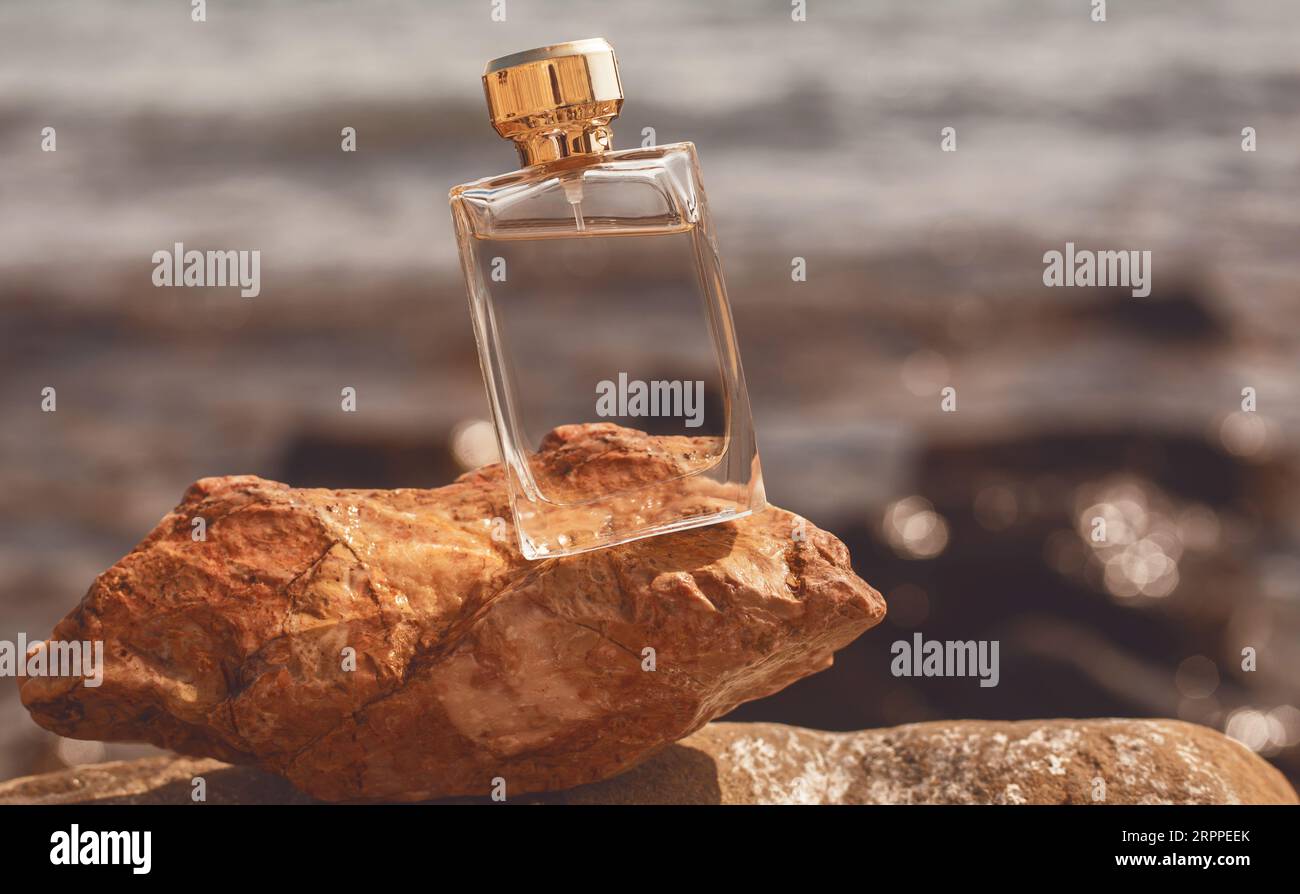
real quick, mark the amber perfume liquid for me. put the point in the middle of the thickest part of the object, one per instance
(597, 299)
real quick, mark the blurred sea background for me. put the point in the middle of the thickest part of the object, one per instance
(819, 140)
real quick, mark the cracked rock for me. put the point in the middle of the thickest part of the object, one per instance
(384, 645)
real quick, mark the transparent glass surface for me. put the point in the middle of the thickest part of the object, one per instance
(597, 298)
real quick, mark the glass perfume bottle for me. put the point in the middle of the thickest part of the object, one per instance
(603, 327)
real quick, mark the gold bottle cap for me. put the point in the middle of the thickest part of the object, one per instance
(555, 101)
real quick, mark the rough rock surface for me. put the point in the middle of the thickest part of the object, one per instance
(470, 662)
(961, 762)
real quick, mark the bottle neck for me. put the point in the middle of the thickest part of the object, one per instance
(584, 138)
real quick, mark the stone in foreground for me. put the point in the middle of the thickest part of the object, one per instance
(470, 663)
(957, 762)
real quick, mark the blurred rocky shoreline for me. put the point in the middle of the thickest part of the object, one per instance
(1050, 422)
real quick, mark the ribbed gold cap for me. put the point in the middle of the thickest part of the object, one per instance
(555, 101)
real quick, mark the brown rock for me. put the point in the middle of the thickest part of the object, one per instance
(471, 663)
(958, 762)
(990, 762)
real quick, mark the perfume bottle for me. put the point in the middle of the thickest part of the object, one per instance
(597, 300)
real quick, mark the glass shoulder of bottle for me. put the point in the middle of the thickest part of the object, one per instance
(626, 191)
